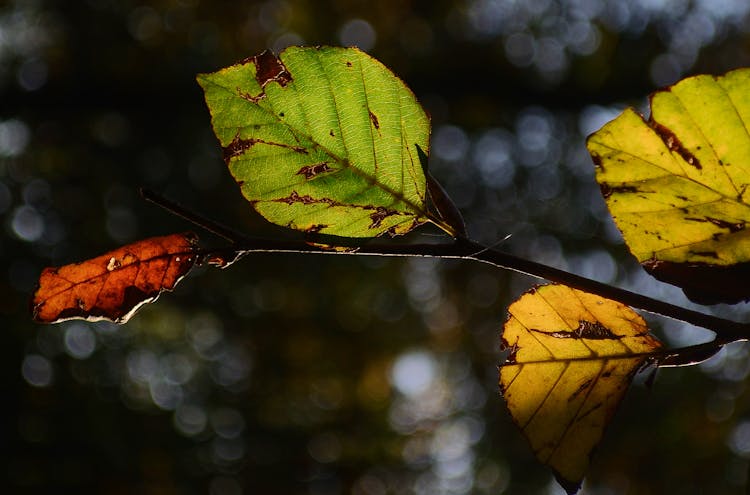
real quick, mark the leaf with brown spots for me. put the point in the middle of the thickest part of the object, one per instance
(114, 285)
(572, 357)
(677, 184)
(325, 139)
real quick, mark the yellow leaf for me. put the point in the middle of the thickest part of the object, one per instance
(572, 356)
(677, 184)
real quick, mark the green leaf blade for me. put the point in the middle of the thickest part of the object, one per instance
(324, 140)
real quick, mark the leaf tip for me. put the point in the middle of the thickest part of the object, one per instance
(571, 487)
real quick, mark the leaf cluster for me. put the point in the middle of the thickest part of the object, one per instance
(329, 142)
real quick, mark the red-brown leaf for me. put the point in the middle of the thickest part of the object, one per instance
(114, 285)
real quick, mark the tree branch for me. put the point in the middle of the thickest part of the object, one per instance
(462, 248)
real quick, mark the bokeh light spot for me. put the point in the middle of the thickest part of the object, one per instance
(37, 370)
(165, 395)
(520, 48)
(493, 156)
(122, 224)
(190, 419)
(176, 368)
(205, 335)
(359, 33)
(227, 422)
(285, 40)
(80, 341)
(27, 223)
(450, 143)
(232, 369)
(14, 137)
(228, 449)
(142, 365)
(739, 439)
(413, 372)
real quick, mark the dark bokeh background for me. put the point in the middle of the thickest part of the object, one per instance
(333, 375)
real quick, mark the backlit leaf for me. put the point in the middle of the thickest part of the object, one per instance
(325, 140)
(572, 357)
(114, 285)
(677, 184)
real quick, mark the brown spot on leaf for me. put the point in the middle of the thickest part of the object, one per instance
(269, 68)
(706, 254)
(295, 197)
(380, 214)
(586, 330)
(608, 190)
(513, 350)
(733, 227)
(594, 330)
(251, 98)
(315, 228)
(239, 145)
(597, 161)
(674, 144)
(310, 171)
(374, 120)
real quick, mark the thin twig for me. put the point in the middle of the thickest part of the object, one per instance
(193, 217)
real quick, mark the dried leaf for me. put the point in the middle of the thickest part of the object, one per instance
(114, 285)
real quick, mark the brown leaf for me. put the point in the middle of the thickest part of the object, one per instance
(114, 285)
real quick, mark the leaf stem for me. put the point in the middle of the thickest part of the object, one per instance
(462, 248)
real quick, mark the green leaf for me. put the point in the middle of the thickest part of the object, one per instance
(572, 357)
(677, 184)
(324, 140)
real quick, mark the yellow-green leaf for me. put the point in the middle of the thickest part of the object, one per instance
(572, 357)
(677, 183)
(325, 140)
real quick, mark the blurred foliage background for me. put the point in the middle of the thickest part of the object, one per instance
(334, 375)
